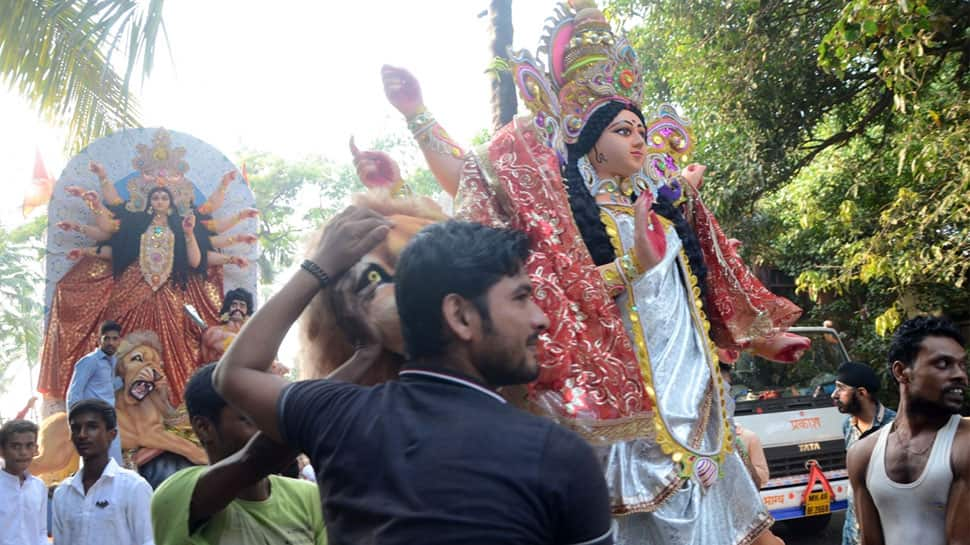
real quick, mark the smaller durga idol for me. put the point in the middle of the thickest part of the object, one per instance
(142, 223)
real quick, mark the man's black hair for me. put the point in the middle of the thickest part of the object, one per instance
(909, 336)
(238, 294)
(11, 427)
(201, 398)
(110, 325)
(98, 407)
(451, 257)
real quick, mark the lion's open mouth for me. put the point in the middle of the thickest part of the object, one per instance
(140, 389)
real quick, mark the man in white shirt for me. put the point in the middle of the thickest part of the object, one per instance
(23, 497)
(103, 502)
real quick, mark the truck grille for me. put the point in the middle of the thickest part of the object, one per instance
(790, 459)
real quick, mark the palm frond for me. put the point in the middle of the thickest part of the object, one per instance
(58, 54)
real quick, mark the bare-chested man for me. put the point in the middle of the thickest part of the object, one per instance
(236, 308)
(912, 479)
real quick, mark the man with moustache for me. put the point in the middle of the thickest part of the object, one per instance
(437, 456)
(236, 307)
(102, 503)
(95, 377)
(855, 396)
(912, 478)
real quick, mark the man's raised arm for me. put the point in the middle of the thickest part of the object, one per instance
(242, 376)
(223, 481)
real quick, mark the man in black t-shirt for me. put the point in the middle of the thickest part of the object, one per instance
(436, 457)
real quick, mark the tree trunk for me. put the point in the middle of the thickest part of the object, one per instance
(504, 103)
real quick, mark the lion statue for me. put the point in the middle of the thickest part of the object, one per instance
(145, 416)
(143, 402)
(360, 313)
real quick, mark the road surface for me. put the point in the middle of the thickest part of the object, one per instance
(831, 535)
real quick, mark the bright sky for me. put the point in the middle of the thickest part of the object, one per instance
(296, 78)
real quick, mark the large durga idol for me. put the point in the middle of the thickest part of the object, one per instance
(640, 284)
(142, 223)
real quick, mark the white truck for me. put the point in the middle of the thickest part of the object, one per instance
(790, 409)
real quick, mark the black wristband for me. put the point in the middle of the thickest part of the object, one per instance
(318, 273)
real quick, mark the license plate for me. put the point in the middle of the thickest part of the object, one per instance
(817, 504)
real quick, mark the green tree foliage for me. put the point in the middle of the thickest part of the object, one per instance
(295, 197)
(61, 55)
(836, 134)
(21, 299)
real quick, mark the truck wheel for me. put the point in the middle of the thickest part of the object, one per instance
(809, 525)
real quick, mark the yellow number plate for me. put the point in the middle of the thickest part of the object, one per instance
(817, 504)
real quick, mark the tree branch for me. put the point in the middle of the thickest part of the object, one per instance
(842, 137)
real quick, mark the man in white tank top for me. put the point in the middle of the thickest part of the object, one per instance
(912, 479)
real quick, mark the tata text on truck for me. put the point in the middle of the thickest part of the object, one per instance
(790, 409)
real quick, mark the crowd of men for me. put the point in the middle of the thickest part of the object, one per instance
(438, 456)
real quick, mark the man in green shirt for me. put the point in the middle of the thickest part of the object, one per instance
(234, 500)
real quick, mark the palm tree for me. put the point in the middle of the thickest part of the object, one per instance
(58, 54)
(504, 103)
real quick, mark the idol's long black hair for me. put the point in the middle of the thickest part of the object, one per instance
(587, 214)
(126, 243)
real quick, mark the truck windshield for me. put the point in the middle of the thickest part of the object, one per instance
(755, 378)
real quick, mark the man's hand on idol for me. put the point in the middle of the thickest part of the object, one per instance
(348, 237)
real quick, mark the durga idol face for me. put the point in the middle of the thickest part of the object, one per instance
(621, 149)
(160, 202)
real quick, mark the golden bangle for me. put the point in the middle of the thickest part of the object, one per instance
(612, 279)
(420, 122)
(611, 276)
(629, 266)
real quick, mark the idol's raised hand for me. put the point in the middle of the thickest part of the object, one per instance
(376, 169)
(74, 190)
(402, 90)
(650, 239)
(694, 174)
(246, 238)
(188, 223)
(781, 346)
(247, 213)
(98, 170)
